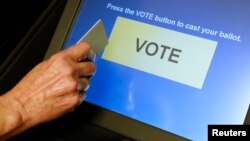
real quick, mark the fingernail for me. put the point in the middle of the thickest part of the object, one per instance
(93, 73)
(87, 87)
(91, 56)
(84, 97)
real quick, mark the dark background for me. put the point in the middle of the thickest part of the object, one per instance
(27, 28)
(16, 18)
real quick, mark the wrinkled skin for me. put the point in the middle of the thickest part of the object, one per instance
(48, 91)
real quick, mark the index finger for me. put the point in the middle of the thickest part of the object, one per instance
(79, 51)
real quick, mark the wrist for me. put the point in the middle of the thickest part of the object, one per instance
(11, 118)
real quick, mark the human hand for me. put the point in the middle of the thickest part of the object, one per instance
(50, 89)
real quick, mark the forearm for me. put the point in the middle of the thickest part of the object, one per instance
(11, 120)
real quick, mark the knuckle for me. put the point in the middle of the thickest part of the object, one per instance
(72, 85)
(68, 70)
(85, 45)
(62, 56)
(62, 61)
(90, 67)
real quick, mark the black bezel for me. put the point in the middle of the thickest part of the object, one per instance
(95, 114)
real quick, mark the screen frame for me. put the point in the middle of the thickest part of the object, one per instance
(99, 116)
